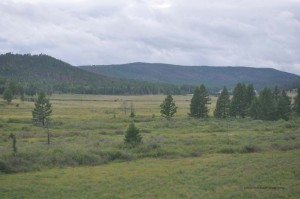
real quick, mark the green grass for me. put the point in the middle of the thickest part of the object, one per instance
(181, 158)
(259, 175)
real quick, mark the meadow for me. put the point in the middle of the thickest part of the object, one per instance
(181, 158)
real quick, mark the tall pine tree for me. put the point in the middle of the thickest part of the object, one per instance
(238, 106)
(255, 109)
(267, 105)
(223, 104)
(250, 95)
(276, 94)
(42, 112)
(297, 102)
(199, 102)
(8, 95)
(283, 106)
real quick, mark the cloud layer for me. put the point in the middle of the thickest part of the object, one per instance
(197, 32)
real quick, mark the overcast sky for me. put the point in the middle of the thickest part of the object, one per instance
(256, 33)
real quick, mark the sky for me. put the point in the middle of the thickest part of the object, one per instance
(254, 33)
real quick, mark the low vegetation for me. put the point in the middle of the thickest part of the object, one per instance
(184, 157)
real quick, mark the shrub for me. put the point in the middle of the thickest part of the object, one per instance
(111, 155)
(228, 150)
(251, 149)
(4, 168)
(286, 147)
(291, 137)
(196, 153)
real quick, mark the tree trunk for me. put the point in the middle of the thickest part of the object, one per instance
(48, 137)
(48, 132)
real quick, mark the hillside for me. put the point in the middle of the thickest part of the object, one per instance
(213, 77)
(36, 72)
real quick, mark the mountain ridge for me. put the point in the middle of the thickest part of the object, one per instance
(43, 72)
(214, 77)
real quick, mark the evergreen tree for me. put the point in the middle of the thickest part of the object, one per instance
(8, 95)
(199, 102)
(238, 106)
(297, 102)
(11, 86)
(223, 105)
(132, 112)
(276, 94)
(168, 107)
(14, 143)
(267, 105)
(283, 106)
(132, 135)
(250, 95)
(255, 109)
(42, 112)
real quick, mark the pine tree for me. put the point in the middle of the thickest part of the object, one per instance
(267, 105)
(8, 95)
(14, 143)
(276, 94)
(223, 105)
(255, 109)
(283, 106)
(42, 112)
(250, 95)
(132, 135)
(168, 107)
(199, 102)
(297, 102)
(238, 106)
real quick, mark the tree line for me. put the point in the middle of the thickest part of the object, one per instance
(124, 87)
(268, 104)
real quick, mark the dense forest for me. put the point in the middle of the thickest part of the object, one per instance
(28, 74)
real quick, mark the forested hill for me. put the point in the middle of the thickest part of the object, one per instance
(213, 77)
(42, 72)
(31, 73)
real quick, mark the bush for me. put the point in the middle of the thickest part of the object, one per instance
(286, 147)
(196, 153)
(4, 168)
(250, 149)
(228, 150)
(291, 137)
(112, 155)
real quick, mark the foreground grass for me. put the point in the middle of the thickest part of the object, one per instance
(258, 175)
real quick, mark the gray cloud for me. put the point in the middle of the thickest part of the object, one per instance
(197, 32)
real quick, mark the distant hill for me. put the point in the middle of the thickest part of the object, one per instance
(42, 72)
(213, 77)
(31, 73)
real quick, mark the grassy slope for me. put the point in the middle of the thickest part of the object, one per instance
(184, 158)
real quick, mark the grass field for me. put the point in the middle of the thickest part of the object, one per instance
(181, 158)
